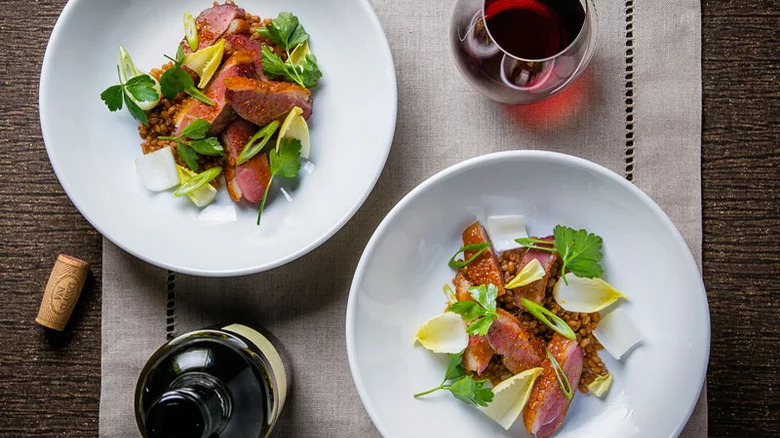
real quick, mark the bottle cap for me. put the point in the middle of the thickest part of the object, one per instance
(62, 291)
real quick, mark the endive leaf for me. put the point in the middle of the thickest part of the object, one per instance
(531, 272)
(510, 397)
(445, 333)
(601, 385)
(617, 333)
(585, 295)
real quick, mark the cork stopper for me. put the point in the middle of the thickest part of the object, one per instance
(62, 291)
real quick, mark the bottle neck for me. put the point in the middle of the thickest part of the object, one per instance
(195, 399)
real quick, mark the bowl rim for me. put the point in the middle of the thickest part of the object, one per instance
(47, 69)
(549, 156)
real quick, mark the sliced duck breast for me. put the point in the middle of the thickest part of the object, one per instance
(550, 261)
(249, 180)
(485, 268)
(261, 102)
(519, 349)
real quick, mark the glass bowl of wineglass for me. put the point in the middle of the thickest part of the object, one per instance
(522, 51)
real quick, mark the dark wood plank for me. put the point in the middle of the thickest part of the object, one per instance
(741, 198)
(49, 384)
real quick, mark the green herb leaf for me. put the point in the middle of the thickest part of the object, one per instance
(141, 87)
(208, 146)
(112, 96)
(481, 326)
(196, 130)
(548, 318)
(174, 81)
(137, 112)
(179, 55)
(471, 392)
(284, 163)
(560, 374)
(273, 65)
(197, 94)
(187, 155)
(257, 143)
(469, 310)
(285, 31)
(480, 313)
(309, 71)
(455, 368)
(479, 247)
(580, 251)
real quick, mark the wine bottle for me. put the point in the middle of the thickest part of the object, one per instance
(225, 382)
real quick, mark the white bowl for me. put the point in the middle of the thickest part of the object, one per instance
(398, 282)
(92, 149)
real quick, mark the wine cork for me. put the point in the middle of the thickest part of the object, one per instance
(62, 291)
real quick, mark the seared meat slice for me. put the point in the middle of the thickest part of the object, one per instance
(485, 268)
(478, 352)
(547, 407)
(519, 349)
(477, 355)
(249, 179)
(261, 102)
(242, 43)
(239, 65)
(550, 261)
(217, 21)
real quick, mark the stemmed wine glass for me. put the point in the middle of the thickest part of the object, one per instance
(522, 51)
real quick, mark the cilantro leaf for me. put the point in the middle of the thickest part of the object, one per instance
(196, 130)
(309, 71)
(485, 296)
(135, 110)
(112, 96)
(142, 88)
(580, 251)
(208, 146)
(187, 155)
(455, 368)
(285, 162)
(471, 392)
(469, 310)
(481, 326)
(284, 31)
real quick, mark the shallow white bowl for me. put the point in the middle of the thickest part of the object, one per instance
(398, 282)
(92, 149)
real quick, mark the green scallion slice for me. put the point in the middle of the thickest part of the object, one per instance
(548, 318)
(190, 31)
(563, 380)
(257, 142)
(479, 247)
(197, 181)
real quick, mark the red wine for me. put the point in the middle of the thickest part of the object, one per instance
(534, 29)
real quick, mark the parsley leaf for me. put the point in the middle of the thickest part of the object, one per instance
(309, 71)
(176, 80)
(135, 110)
(471, 392)
(188, 150)
(112, 96)
(284, 31)
(196, 130)
(479, 313)
(208, 146)
(579, 250)
(463, 387)
(282, 162)
(187, 155)
(140, 88)
(455, 368)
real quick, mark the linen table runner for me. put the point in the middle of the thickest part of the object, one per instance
(636, 110)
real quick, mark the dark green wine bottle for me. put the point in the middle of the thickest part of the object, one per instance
(226, 382)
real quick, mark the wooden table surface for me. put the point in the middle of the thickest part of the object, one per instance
(50, 383)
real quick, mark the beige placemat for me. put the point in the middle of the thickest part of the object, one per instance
(637, 111)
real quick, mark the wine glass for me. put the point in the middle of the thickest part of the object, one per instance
(522, 51)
